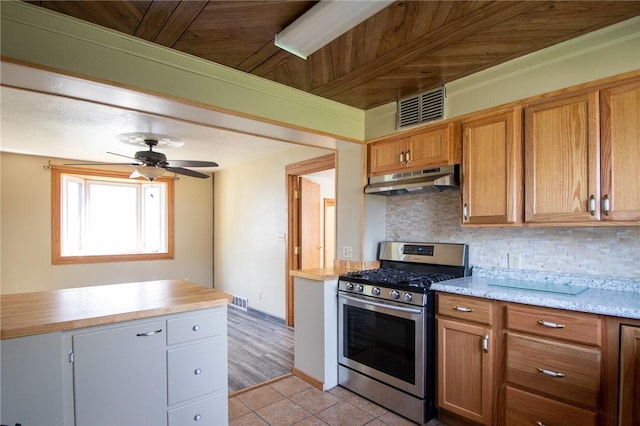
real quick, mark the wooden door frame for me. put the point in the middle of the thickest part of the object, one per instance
(293, 171)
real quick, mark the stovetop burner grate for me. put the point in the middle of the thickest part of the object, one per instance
(397, 277)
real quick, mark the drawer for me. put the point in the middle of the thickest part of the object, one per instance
(531, 362)
(196, 370)
(193, 327)
(465, 308)
(210, 411)
(524, 408)
(570, 326)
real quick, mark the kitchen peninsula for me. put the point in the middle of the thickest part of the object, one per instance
(147, 352)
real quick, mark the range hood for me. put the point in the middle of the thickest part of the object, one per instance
(427, 180)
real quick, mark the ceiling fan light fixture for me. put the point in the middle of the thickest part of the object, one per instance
(325, 22)
(150, 173)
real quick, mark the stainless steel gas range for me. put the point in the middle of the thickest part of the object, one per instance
(386, 320)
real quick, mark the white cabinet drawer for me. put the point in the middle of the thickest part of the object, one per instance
(210, 411)
(194, 327)
(196, 370)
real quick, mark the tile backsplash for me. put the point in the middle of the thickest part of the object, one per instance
(434, 217)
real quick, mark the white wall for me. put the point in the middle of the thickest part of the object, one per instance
(25, 227)
(250, 212)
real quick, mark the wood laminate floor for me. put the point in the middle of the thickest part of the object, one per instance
(260, 349)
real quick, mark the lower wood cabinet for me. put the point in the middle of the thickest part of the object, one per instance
(465, 357)
(629, 388)
(525, 408)
(502, 363)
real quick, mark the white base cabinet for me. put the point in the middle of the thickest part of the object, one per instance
(32, 382)
(167, 370)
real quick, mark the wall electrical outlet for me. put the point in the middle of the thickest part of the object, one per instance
(347, 252)
(515, 260)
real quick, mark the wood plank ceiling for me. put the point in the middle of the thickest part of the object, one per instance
(407, 48)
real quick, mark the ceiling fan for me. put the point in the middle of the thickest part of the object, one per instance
(152, 164)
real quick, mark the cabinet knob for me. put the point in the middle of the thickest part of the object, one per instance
(402, 158)
(539, 423)
(197, 417)
(606, 207)
(197, 371)
(195, 327)
(462, 309)
(464, 212)
(592, 205)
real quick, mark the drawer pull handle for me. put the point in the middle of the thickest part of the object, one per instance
(149, 333)
(550, 324)
(462, 309)
(550, 373)
(197, 371)
(195, 327)
(485, 343)
(539, 423)
(197, 417)
(592, 205)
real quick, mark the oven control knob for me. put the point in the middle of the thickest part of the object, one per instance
(359, 288)
(408, 297)
(375, 291)
(349, 286)
(394, 294)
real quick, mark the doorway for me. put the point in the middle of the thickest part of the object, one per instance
(309, 228)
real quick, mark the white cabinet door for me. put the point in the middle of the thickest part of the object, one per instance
(120, 375)
(32, 380)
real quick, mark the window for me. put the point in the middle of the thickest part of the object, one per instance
(103, 216)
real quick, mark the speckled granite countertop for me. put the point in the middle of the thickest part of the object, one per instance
(614, 297)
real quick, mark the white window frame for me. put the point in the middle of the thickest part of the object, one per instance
(84, 177)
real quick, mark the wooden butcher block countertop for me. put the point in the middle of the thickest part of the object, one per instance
(26, 314)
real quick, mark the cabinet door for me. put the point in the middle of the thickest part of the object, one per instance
(629, 403)
(492, 169)
(32, 380)
(465, 359)
(120, 376)
(562, 160)
(433, 148)
(620, 139)
(387, 156)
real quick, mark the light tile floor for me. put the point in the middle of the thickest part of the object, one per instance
(292, 401)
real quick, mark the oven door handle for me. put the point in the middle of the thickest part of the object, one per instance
(382, 305)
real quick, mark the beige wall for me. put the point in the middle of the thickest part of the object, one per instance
(250, 213)
(25, 247)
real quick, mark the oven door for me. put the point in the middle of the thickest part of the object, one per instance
(383, 340)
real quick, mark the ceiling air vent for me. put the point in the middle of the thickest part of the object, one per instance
(427, 106)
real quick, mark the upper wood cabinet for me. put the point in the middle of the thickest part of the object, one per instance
(620, 149)
(492, 168)
(562, 160)
(581, 156)
(436, 146)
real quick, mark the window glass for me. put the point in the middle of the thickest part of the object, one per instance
(105, 216)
